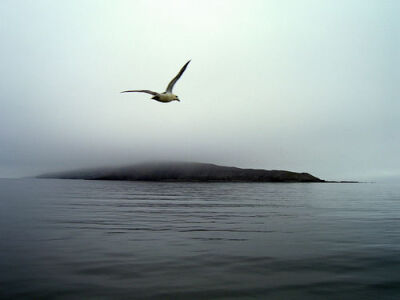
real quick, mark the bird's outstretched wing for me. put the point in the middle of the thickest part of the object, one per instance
(176, 78)
(141, 91)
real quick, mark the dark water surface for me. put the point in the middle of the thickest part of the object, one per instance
(65, 239)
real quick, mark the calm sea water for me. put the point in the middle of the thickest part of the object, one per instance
(66, 239)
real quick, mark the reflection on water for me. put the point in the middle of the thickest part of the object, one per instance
(65, 239)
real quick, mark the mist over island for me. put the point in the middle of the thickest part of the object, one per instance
(183, 172)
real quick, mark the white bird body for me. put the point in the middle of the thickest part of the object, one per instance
(167, 96)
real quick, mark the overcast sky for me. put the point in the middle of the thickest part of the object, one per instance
(306, 85)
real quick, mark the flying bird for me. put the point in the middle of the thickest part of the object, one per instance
(166, 96)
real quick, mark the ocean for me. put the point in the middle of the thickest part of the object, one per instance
(77, 239)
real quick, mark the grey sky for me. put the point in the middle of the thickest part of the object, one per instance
(298, 85)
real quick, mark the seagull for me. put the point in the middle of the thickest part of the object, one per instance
(167, 96)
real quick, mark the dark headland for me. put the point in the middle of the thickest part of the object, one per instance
(184, 171)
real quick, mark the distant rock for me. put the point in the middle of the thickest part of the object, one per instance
(184, 172)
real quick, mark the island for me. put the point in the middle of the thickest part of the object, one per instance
(183, 172)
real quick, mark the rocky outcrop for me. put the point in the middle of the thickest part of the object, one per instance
(184, 171)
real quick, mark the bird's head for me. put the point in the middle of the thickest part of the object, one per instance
(176, 98)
